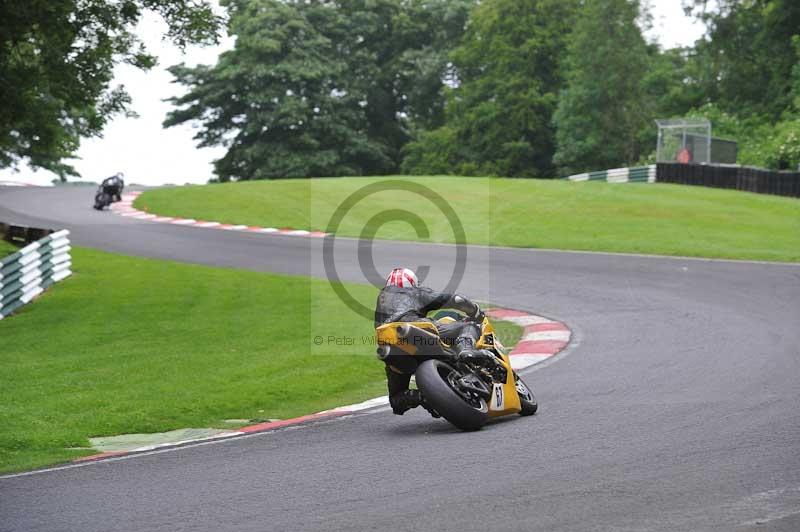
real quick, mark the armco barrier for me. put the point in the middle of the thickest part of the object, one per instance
(28, 272)
(639, 174)
(758, 180)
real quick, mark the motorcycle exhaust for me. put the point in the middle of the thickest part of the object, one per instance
(426, 343)
(421, 336)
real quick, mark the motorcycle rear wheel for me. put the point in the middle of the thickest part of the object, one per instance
(433, 380)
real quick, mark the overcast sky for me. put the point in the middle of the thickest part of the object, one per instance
(149, 154)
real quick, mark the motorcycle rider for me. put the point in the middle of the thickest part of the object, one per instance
(402, 300)
(113, 186)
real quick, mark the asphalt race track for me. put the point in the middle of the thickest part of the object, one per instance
(676, 408)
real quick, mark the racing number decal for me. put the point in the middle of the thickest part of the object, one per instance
(497, 397)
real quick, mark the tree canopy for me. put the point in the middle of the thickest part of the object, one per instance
(321, 88)
(747, 70)
(56, 68)
(528, 88)
(748, 55)
(603, 107)
(508, 75)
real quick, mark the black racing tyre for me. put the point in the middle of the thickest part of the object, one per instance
(432, 378)
(104, 200)
(526, 398)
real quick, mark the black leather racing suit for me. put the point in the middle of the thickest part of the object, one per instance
(397, 304)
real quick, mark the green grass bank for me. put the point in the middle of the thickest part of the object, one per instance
(635, 218)
(129, 345)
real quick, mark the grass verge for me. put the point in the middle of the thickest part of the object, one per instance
(137, 345)
(130, 345)
(636, 218)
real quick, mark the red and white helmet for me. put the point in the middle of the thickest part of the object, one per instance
(402, 277)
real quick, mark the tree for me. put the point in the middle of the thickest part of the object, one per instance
(748, 56)
(319, 87)
(603, 108)
(508, 77)
(56, 66)
(796, 75)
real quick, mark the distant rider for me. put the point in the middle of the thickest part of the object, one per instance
(402, 300)
(113, 186)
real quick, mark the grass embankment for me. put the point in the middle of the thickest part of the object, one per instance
(636, 218)
(132, 345)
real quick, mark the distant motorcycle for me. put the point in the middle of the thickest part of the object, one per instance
(109, 191)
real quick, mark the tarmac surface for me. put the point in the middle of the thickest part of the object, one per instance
(677, 407)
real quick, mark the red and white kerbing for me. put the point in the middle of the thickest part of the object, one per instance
(125, 208)
(542, 339)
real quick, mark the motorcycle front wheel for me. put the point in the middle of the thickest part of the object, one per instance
(436, 380)
(101, 201)
(526, 398)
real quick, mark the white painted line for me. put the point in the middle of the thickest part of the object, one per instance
(370, 403)
(208, 224)
(236, 228)
(297, 232)
(519, 362)
(268, 230)
(547, 335)
(184, 442)
(524, 321)
(162, 219)
(182, 221)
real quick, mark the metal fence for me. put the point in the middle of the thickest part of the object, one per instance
(30, 271)
(744, 178)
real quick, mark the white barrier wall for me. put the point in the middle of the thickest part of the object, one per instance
(639, 174)
(28, 272)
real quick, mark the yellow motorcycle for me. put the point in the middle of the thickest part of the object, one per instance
(464, 392)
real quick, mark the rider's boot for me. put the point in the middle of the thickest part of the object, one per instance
(403, 401)
(481, 357)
